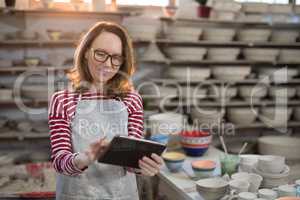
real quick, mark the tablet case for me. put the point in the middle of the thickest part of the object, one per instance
(125, 151)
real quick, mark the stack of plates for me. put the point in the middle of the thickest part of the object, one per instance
(254, 35)
(186, 53)
(231, 73)
(223, 54)
(184, 33)
(258, 54)
(219, 34)
(188, 74)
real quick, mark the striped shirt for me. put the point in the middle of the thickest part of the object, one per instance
(61, 112)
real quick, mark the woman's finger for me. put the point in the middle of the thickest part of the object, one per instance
(157, 158)
(145, 171)
(150, 162)
(148, 167)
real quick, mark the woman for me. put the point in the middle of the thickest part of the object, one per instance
(83, 120)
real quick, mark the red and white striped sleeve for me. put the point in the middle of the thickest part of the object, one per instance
(134, 102)
(62, 155)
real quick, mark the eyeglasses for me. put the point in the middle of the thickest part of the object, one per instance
(102, 56)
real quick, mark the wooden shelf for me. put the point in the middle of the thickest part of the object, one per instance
(227, 44)
(236, 62)
(27, 102)
(215, 81)
(231, 23)
(22, 135)
(290, 124)
(19, 69)
(231, 103)
(49, 12)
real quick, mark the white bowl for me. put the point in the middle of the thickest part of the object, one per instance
(166, 123)
(285, 146)
(271, 164)
(255, 7)
(218, 34)
(193, 74)
(254, 35)
(247, 162)
(289, 55)
(278, 112)
(253, 178)
(283, 92)
(207, 116)
(277, 74)
(212, 188)
(168, 91)
(288, 36)
(223, 54)
(36, 92)
(193, 92)
(186, 53)
(259, 54)
(218, 92)
(247, 91)
(183, 33)
(153, 54)
(6, 94)
(242, 116)
(281, 8)
(231, 73)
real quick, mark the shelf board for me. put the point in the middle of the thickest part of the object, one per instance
(227, 44)
(230, 22)
(19, 69)
(22, 135)
(27, 102)
(215, 81)
(236, 62)
(290, 124)
(49, 12)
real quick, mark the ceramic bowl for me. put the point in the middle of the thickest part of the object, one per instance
(247, 162)
(285, 146)
(195, 143)
(289, 55)
(283, 92)
(254, 35)
(275, 115)
(207, 116)
(173, 160)
(186, 53)
(161, 138)
(212, 188)
(239, 185)
(231, 73)
(286, 190)
(193, 92)
(248, 91)
(166, 123)
(253, 7)
(267, 193)
(254, 179)
(203, 168)
(242, 116)
(218, 34)
(35, 92)
(288, 36)
(220, 92)
(193, 74)
(258, 54)
(31, 62)
(281, 8)
(246, 196)
(6, 94)
(271, 164)
(223, 54)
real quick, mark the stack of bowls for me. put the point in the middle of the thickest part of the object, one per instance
(195, 143)
(183, 33)
(258, 54)
(173, 160)
(242, 116)
(222, 93)
(182, 73)
(223, 54)
(273, 169)
(289, 55)
(166, 123)
(207, 117)
(284, 36)
(253, 93)
(186, 53)
(285, 146)
(231, 73)
(203, 168)
(248, 162)
(282, 92)
(275, 116)
(254, 35)
(218, 34)
(212, 188)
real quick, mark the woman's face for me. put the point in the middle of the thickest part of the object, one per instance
(106, 43)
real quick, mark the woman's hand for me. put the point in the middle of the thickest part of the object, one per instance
(150, 166)
(95, 151)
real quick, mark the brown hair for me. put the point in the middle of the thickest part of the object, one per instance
(80, 75)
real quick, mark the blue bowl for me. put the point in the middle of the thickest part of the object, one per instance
(199, 151)
(161, 138)
(173, 160)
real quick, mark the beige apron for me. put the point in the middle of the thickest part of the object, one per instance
(93, 119)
